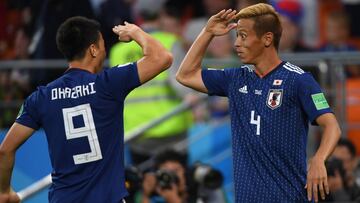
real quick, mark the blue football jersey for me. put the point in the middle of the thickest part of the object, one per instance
(269, 123)
(82, 115)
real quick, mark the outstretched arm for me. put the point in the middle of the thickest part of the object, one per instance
(155, 56)
(317, 175)
(14, 138)
(189, 73)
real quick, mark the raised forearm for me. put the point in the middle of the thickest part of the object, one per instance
(151, 47)
(6, 167)
(195, 55)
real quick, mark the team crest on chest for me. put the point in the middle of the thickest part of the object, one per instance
(274, 98)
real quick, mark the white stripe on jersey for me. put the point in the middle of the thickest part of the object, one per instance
(248, 67)
(122, 65)
(215, 69)
(293, 68)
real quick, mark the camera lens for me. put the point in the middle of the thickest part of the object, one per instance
(208, 177)
(166, 178)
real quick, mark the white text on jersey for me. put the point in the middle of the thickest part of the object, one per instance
(73, 93)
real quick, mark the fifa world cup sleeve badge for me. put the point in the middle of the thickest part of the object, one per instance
(319, 101)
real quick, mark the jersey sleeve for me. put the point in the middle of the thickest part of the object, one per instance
(121, 79)
(216, 81)
(28, 114)
(311, 97)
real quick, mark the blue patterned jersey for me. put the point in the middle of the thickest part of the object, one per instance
(269, 121)
(82, 115)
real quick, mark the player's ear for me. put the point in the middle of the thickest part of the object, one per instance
(93, 50)
(268, 39)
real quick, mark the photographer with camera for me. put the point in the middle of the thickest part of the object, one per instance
(168, 182)
(336, 180)
(173, 182)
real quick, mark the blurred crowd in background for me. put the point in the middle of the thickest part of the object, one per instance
(28, 30)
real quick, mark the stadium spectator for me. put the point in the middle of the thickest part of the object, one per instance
(290, 17)
(271, 106)
(337, 34)
(42, 45)
(85, 103)
(352, 8)
(337, 38)
(346, 152)
(157, 97)
(337, 181)
(194, 26)
(110, 13)
(173, 182)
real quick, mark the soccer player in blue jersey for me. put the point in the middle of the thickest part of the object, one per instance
(271, 105)
(82, 115)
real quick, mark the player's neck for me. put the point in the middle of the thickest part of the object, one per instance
(266, 63)
(84, 64)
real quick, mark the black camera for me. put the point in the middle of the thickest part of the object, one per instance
(207, 176)
(133, 179)
(334, 164)
(165, 178)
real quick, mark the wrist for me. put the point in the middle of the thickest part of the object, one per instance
(137, 35)
(319, 158)
(5, 189)
(207, 32)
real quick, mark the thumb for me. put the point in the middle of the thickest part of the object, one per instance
(231, 26)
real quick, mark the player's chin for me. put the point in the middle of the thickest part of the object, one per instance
(244, 60)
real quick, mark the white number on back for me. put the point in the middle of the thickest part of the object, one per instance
(88, 130)
(255, 122)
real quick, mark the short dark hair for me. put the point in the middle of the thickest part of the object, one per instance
(75, 35)
(349, 145)
(169, 155)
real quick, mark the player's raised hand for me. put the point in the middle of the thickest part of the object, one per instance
(317, 180)
(126, 32)
(221, 23)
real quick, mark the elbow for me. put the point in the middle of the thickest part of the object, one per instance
(338, 132)
(166, 60)
(336, 129)
(169, 59)
(179, 77)
(4, 153)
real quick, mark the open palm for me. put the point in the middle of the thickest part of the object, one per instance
(220, 23)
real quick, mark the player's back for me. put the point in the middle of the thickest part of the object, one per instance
(81, 114)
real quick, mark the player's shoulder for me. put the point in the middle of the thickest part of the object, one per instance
(117, 72)
(36, 96)
(235, 72)
(292, 69)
